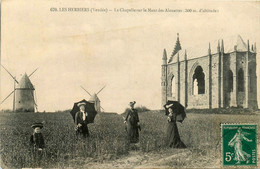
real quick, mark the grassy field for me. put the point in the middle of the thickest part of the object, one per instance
(200, 132)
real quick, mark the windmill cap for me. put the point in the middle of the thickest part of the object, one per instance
(81, 104)
(25, 83)
(93, 98)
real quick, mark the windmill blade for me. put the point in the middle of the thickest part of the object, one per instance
(33, 72)
(102, 108)
(7, 97)
(36, 107)
(35, 101)
(101, 89)
(10, 74)
(85, 90)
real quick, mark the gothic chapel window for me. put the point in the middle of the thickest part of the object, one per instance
(198, 81)
(240, 80)
(195, 87)
(230, 81)
(251, 83)
(173, 86)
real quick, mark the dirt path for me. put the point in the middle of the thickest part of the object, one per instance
(167, 159)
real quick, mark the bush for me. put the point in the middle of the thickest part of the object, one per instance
(232, 110)
(138, 108)
(6, 111)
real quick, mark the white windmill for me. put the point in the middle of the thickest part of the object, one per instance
(24, 94)
(94, 99)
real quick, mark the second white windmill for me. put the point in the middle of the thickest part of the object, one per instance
(94, 99)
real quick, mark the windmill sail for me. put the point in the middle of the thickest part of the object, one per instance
(94, 99)
(23, 94)
(35, 101)
(33, 72)
(101, 89)
(85, 90)
(6, 97)
(10, 74)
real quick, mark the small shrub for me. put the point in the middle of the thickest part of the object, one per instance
(139, 109)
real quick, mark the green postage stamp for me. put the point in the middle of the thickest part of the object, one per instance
(239, 144)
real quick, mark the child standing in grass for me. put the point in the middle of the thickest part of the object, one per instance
(37, 140)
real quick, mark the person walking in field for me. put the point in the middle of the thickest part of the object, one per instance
(36, 139)
(236, 142)
(173, 138)
(132, 124)
(81, 121)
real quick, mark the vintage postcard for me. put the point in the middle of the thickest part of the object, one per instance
(134, 84)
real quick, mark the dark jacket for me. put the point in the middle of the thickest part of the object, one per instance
(132, 116)
(79, 118)
(173, 117)
(37, 140)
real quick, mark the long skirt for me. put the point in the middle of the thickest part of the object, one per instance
(132, 133)
(173, 138)
(240, 155)
(83, 131)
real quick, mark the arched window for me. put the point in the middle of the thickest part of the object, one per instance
(240, 80)
(173, 86)
(195, 87)
(198, 81)
(230, 81)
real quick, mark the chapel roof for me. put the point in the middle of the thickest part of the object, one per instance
(200, 50)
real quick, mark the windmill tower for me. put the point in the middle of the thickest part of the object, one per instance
(24, 97)
(94, 99)
(23, 94)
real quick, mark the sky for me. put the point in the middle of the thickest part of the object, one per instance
(120, 50)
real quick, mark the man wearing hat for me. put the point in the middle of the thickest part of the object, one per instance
(37, 138)
(132, 124)
(81, 121)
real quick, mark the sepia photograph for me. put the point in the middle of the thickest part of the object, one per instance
(134, 84)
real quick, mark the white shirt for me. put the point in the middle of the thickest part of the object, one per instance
(84, 115)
